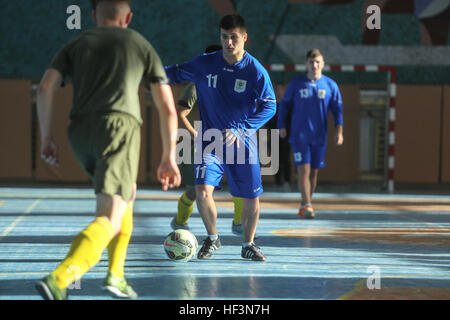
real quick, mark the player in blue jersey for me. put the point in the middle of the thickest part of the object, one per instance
(235, 98)
(310, 97)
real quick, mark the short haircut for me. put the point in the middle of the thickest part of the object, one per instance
(233, 21)
(314, 53)
(94, 3)
(213, 48)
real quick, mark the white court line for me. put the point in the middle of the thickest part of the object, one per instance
(18, 219)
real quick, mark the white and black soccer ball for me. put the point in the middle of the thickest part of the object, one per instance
(180, 245)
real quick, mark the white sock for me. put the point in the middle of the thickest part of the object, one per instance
(246, 244)
(213, 237)
(308, 204)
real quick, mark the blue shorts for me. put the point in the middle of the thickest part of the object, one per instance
(244, 179)
(309, 154)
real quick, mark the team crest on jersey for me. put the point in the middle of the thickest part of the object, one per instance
(240, 85)
(321, 94)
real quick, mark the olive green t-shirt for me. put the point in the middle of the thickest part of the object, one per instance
(188, 99)
(107, 65)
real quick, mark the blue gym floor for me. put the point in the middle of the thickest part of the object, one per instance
(404, 239)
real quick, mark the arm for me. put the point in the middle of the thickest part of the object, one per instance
(336, 110)
(180, 73)
(266, 104)
(282, 118)
(284, 110)
(265, 110)
(168, 173)
(186, 103)
(156, 80)
(183, 112)
(266, 107)
(50, 82)
(339, 135)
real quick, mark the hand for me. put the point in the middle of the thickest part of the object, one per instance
(230, 138)
(168, 174)
(49, 152)
(283, 133)
(194, 134)
(339, 139)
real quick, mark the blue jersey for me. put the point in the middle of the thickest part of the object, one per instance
(238, 96)
(310, 101)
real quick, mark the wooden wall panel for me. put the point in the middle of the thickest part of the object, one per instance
(417, 134)
(445, 144)
(15, 129)
(342, 162)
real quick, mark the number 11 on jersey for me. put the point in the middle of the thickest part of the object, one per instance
(212, 80)
(200, 172)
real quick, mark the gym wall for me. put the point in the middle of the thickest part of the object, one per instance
(445, 143)
(417, 134)
(15, 129)
(422, 147)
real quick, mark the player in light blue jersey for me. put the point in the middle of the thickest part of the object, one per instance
(235, 95)
(310, 97)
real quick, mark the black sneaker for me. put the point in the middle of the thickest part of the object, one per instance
(208, 247)
(252, 252)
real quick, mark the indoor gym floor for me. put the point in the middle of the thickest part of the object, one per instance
(404, 239)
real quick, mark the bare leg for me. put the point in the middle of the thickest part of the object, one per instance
(190, 192)
(313, 179)
(207, 207)
(87, 247)
(304, 182)
(117, 248)
(250, 217)
(112, 208)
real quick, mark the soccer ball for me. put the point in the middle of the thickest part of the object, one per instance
(180, 245)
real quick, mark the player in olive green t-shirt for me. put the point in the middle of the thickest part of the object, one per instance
(106, 65)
